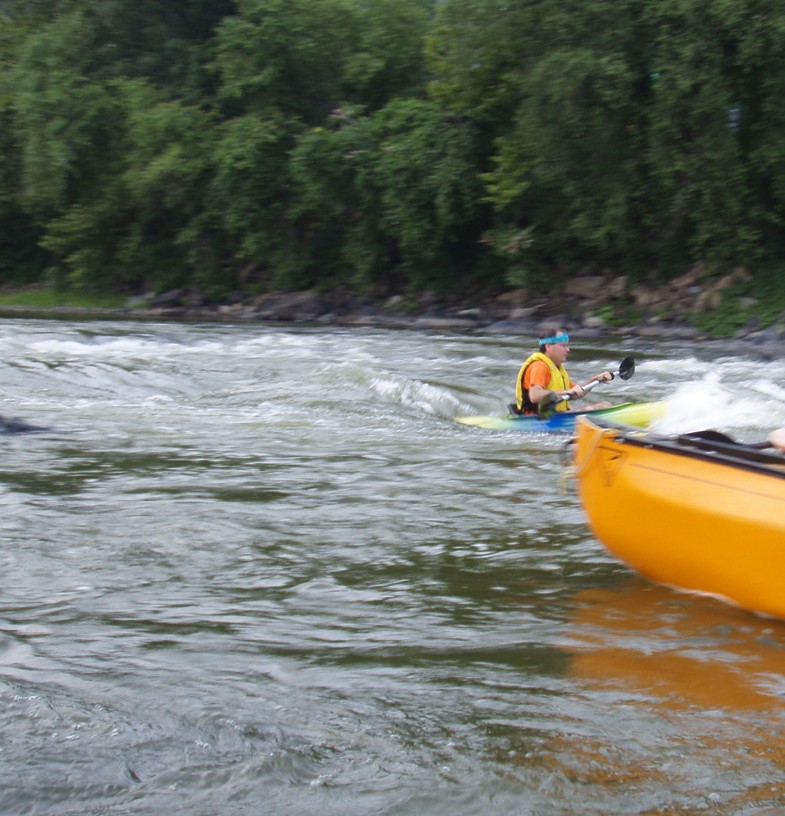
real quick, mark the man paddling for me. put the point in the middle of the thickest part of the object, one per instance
(543, 383)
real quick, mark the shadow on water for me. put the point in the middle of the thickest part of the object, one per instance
(15, 425)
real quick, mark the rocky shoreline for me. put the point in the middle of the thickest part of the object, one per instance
(589, 305)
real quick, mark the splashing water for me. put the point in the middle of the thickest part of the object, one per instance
(718, 401)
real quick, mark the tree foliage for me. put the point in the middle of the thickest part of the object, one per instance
(391, 146)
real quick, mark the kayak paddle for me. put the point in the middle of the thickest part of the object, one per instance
(626, 370)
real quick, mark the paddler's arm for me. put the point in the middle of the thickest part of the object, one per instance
(539, 394)
(606, 376)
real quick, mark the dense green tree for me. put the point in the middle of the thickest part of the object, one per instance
(394, 144)
(694, 156)
(425, 171)
(146, 227)
(166, 42)
(304, 58)
(66, 121)
(20, 259)
(566, 173)
(389, 199)
(61, 125)
(625, 131)
(112, 169)
(556, 85)
(387, 59)
(284, 57)
(248, 193)
(289, 72)
(474, 49)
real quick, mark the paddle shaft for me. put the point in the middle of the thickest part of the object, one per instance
(586, 388)
(626, 370)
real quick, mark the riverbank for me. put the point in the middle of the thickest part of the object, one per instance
(689, 308)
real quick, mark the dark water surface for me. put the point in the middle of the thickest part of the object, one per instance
(258, 570)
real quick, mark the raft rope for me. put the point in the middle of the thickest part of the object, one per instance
(572, 471)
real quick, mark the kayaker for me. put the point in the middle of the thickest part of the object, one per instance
(543, 379)
(777, 439)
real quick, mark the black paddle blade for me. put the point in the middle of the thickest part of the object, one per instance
(626, 368)
(712, 436)
(708, 436)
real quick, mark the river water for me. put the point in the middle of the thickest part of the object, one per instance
(260, 570)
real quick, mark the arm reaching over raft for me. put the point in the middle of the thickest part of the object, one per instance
(777, 439)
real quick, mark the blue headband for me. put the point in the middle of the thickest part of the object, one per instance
(557, 338)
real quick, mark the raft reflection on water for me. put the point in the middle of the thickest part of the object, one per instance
(678, 650)
(691, 691)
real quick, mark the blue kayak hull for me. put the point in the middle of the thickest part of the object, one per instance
(638, 414)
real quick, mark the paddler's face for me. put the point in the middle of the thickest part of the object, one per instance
(558, 352)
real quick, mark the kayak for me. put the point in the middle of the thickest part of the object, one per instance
(639, 414)
(698, 512)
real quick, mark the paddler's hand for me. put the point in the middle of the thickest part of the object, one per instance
(777, 439)
(606, 376)
(576, 392)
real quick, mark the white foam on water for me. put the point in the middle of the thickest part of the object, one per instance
(414, 394)
(719, 401)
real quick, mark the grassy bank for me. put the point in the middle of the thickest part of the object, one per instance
(36, 298)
